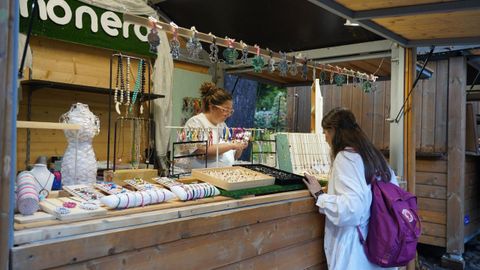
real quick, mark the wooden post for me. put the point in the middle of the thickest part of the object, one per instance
(8, 92)
(456, 160)
(409, 127)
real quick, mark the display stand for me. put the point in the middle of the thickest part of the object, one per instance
(141, 98)
(262, 153)
(174, 157)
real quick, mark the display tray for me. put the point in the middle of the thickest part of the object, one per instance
(233, 178)
(281, 177)
(257, 191)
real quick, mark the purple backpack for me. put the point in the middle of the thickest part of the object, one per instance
(394, 226)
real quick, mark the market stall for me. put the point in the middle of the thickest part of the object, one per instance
(127, 79)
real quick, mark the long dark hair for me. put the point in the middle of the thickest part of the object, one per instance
(349, 134)
(213, 95)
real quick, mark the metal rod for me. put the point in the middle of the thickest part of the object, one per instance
(27, 40)
(402, 109)
(109, 113)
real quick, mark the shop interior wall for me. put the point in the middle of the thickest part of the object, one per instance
(77, 64)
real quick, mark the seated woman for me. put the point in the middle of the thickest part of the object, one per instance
(217, 107)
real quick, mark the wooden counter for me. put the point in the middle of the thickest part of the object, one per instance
(282, 231)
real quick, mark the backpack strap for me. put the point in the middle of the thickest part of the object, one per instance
(362, 240)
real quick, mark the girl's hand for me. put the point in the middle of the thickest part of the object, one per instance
(312, 184)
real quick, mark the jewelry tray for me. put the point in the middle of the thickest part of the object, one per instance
(281, 177)
(258, 180)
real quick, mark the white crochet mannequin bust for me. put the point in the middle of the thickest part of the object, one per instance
(79, 165)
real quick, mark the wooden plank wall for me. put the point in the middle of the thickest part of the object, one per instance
(472, 199)
(287, 235)
(298, 109)
(371, 109)
(76, 64)
(431, 191)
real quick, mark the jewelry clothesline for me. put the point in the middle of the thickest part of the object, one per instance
(183, 127)
(231, 43)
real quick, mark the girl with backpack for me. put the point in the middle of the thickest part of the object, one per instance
(346, 205)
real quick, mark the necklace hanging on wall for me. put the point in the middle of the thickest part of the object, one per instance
(258, 61)
(283, 65)
(142, 87)
(230, 54)
(138, 84)
(213, 50)
(271, 62)
(293, 67)
(127, 83)
(174, 43)
(194, 47)
(118, 86)
(244, 57)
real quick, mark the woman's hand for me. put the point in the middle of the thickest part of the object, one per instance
(312, 184)
(239, 146)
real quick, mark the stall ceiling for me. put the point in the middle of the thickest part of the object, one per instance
(286, 25)
(413, 23)
(281, 25)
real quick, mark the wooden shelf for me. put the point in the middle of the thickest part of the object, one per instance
(47, 125)
(40, 84)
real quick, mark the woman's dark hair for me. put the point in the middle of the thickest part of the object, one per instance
(212, 95)
(349, 134)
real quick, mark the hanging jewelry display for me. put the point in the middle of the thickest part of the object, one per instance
(331, 77)
(127, 82)
(153, 38)
(174, 43)
(213, 50)
(366, 86)
(194, 47)
(293, 67)
(244, 57)
(323, 77)
(305, 69)
(339, 78)
(271, 62)
(258, 61)
(118, 86)
(230, 54)
(283, 65)
(142, 88)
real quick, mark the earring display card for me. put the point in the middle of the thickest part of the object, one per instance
(111, 188)
(85, 192)
(140, 184)
(233, 178)
(50, 206)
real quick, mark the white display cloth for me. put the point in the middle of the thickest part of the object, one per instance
(347, 205)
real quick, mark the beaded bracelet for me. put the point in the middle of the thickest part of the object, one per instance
(128, 201)
(69, 204)
(119, 197)
(62, 211)
(141, 194)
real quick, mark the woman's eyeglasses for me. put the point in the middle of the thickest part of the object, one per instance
(225, 110)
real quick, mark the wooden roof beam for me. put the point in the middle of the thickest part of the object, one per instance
(416, 9)
(346, 13)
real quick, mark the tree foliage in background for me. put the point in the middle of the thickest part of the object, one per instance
(271, 107)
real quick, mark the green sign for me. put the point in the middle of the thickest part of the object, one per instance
(77, 22)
